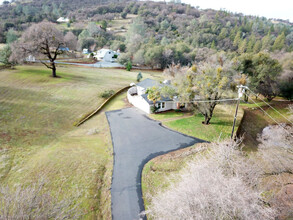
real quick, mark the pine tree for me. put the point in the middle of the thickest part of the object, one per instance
(242, 46)
(237, 39)
(279, 43)
(251, 43)
(213, 46)
(266, 42)
(257, 46)
(223, 34)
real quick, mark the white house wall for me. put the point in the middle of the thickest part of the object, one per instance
(139, 102)
(140, 90)
(168, 106)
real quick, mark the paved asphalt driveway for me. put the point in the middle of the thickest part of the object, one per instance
(136, 139)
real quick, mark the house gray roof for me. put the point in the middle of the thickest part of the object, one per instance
(163, 99)
(148, 83)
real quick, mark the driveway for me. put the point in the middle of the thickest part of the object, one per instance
(136, 139)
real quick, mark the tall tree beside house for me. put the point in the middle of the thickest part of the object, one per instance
(40, 40)
(206, 81)
(154, 95)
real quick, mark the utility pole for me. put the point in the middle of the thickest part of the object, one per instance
(241, 90)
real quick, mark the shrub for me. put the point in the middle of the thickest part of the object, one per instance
(139, 77)
(107, 94)
(154, 109)
(128, 66)
(123, 15)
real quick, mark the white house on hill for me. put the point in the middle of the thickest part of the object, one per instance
(106, 55)
(63, 20)
(137, 96)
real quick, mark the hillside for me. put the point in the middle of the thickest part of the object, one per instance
(179, 28)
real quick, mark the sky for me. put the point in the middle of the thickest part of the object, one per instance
(268, 8)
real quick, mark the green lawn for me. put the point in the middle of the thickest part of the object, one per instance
(38, 139)
(220, 126)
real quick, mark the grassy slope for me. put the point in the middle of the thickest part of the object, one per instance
(156, 173)
(37, 138)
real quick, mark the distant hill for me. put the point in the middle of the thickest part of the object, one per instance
(173, 29)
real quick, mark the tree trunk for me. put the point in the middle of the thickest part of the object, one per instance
(206, 120)
(53, 69)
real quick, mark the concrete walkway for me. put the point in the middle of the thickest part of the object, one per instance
(136, 139)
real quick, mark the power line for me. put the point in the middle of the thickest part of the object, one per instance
(271, 106)
(269, 115)
(206, 101)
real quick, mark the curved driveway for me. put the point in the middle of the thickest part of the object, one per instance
(136, 139)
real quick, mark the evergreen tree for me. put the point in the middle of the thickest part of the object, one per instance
(251, 43)
(223, 34)
(257, 46)
(237, 39)
(242, 46)
(279, 43)
(213, 45)
(266, 42)
(11, 36)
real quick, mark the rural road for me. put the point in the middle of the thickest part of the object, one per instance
(136, 139)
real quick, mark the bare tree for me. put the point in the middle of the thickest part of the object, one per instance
(42, 39)
(275, 156)
(217, 185)
(276, 149)
(71, 40)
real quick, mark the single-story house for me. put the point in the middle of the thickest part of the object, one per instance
(137, 96)
(106, 55)
(63, 20)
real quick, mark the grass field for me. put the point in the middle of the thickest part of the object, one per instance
(38, 139)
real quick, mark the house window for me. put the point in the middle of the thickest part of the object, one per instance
(161, 105)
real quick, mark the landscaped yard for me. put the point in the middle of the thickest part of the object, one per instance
(38, 139)
(219, 128)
